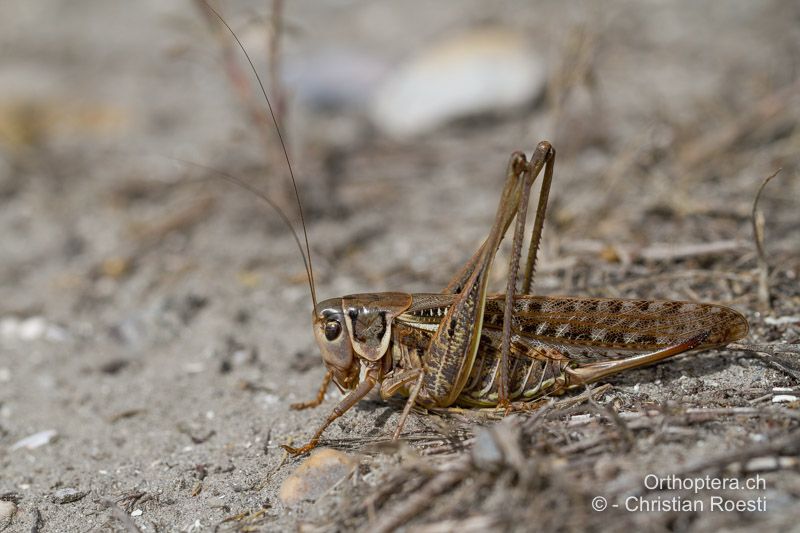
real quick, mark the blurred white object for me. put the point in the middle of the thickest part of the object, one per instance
(782, 320)
(36, 440)
(334, 78)
(30, 329)
(784, 398)
(492, 70)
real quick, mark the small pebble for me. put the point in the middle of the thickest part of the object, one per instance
(36, 440)
(770, 463)
(116, 267)
(782, 320)
(784, 398)
(7, 512)
(194, 368)
(241, 357)
(270, 399)
(30, 329)
(67, 495)
(316, 475)
(136, 512)
(130, 331)
(486, 454)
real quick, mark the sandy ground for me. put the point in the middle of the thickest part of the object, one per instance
(156, 319)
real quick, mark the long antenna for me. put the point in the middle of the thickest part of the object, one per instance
(261, 196)
(309, 268)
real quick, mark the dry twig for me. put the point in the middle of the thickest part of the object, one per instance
(757, 216)
(787, 445)
(123, 517)
(698, 151)
(624, 431)
(776, 354)
(276, 87)
(424, 497)
(239, 78)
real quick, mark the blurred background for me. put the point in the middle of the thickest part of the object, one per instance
(143, 299)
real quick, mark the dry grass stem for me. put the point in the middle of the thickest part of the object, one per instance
(757, 217)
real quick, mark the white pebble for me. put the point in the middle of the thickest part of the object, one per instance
(136, 512)
(270, 399)
(36, 440)
(782, 320)
(770, 463)
(32, 328)
(55, 334)
(493, 70)
(486, 454)
(784, 398)
(194, 368)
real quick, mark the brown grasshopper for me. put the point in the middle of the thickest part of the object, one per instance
(464, 347)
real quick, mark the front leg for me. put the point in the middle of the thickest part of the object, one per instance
(349, 401)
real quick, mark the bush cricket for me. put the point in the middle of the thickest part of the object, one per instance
(464, 347)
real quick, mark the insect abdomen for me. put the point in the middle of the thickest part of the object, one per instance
(533, 372)
(618, 323)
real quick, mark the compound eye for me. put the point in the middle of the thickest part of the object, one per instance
(332, 330)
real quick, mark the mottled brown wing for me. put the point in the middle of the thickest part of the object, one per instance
(586, 328)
